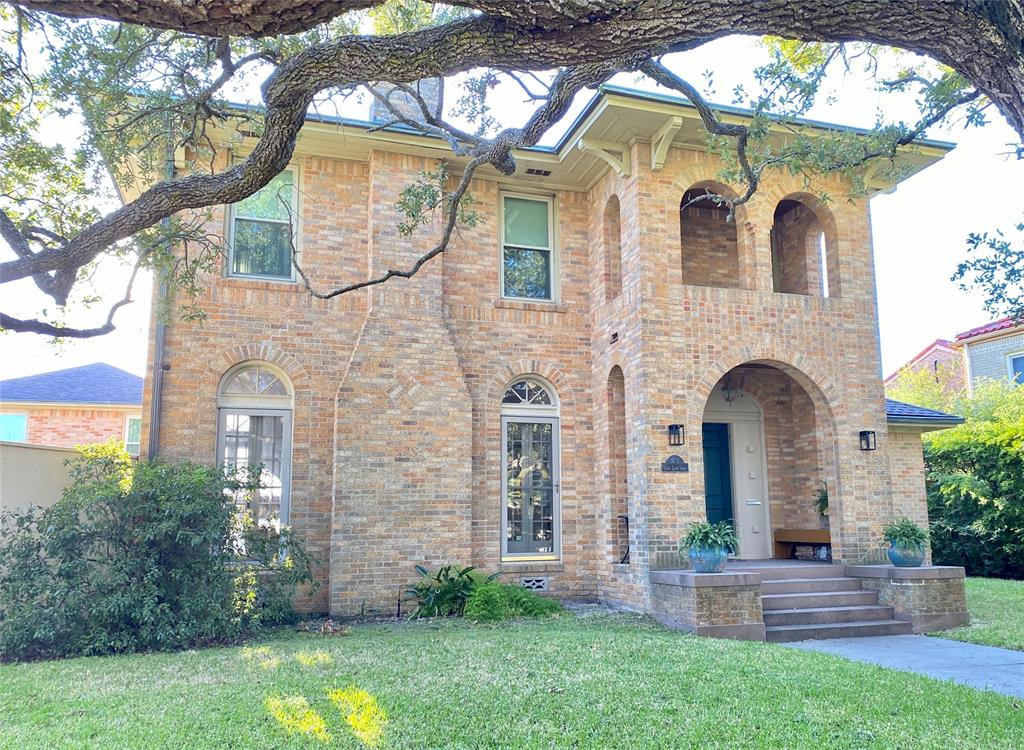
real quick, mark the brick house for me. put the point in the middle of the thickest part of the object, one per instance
(942, 359)
(76, 406)
(560, 393)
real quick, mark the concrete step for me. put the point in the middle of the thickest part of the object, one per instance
(796, 570)
(855, 629)
(813, 600)
(828, 615)
(807, 585)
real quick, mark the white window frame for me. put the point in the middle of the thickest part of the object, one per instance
(551, 249)
(261, 406)
(19, 414)
(296, 208)
(538, 414)
(1009, 366)
(284, 512)
(127, 421)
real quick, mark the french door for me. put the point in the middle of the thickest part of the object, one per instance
(530, 487)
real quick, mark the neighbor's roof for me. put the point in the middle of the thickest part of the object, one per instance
(998, 325)
(941, 344)
(897, 412)
(98, 383)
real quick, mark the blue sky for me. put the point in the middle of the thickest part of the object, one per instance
(919, 230)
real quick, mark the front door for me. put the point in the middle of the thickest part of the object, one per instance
(717, 472)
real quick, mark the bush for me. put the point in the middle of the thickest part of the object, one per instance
(444, 593)
(138, 558)
(976, 497)
(501, 601)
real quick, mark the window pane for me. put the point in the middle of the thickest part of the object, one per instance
(527, 273)
(529, 491)
(526, 222)
(1018, 369)
(261, 248)
(133, 436)
(257, 440)
(266, 203)
(14, 427)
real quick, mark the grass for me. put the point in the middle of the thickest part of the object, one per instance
(569, 682)
(997, 614)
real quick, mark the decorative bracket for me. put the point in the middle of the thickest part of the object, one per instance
(662, 140)
(870, 183)
(604, 150)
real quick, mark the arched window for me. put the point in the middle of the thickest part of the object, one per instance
(612, 249)
(618, 485)
(802, 260)
(530, 484)
(710, 244)
(254, 427)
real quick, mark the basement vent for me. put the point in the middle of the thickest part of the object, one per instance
(537, 583)
(536, 172)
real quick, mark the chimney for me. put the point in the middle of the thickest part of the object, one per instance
(430, 89)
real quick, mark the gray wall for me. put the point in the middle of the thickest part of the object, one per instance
(988, 358)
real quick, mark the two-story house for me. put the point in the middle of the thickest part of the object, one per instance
(993, 351)
(578, 377)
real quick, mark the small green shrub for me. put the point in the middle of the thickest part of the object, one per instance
(501, 601)
(704, 535)
(904, 533)
(445, 592)
(140, 557)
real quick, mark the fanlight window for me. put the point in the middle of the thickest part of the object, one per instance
(527, 392)
(254, 381)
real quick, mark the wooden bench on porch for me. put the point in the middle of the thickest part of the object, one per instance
(786, 540)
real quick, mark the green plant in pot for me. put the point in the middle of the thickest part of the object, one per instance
(708, 545)
(821, 503)
(907, 543)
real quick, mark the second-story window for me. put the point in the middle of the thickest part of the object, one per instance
(527, 248)
(262, 228)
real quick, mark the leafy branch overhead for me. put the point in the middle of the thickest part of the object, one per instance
(152, 80)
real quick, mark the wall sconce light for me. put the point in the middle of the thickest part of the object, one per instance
(867, 440)
(675, 434)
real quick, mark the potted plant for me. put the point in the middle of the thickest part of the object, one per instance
(708, 545)
(906, 542)
(821, 504)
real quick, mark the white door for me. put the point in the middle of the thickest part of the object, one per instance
(749, 481)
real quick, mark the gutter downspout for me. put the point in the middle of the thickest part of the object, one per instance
(159, 367)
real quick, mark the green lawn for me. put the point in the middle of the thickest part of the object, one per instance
(997, 614)
(591, 682)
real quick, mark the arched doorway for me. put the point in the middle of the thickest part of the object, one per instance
(768, 447)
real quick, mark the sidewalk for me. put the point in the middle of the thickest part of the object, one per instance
(981, 667)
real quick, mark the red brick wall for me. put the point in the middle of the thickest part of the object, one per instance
(68, 427)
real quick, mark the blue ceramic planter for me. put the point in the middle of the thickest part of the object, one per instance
(709, 559)
(906, 557)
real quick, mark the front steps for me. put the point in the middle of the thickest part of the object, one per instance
(813, 602)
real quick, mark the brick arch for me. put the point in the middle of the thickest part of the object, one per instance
(703, 258)
(262, 352)
(522, 367)
(817, 384)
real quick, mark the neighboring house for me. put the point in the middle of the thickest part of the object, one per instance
(994, 351)
(942, 359)
(66, 408)
(558, 395)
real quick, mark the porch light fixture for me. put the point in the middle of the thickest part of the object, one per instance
(730, 391)
(675, 434)
(867, 440)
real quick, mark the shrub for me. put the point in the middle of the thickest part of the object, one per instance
(500, 601)
(976, 496)
(444, 593)
(136, 558)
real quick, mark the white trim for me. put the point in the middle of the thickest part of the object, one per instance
(554, 265)
(229, 231)
(127, 420)
(968, 370)
(1009, 365)
(242, 401)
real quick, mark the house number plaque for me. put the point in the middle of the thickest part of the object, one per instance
(674, 463)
